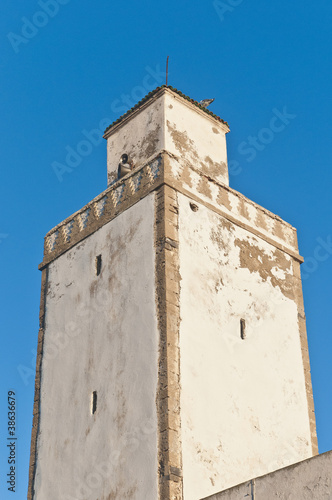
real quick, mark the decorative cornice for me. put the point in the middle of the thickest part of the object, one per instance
(117, 198)
(177, 174)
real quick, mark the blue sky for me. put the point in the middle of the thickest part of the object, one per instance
(67, 67)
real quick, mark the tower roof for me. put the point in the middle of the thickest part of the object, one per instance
(153, 93)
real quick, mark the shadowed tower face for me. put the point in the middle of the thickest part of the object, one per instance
(172, 354)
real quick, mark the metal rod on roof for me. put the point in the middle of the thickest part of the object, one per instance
(167, 71)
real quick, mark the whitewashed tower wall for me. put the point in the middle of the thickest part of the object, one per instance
(172, 353)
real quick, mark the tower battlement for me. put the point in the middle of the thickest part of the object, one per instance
(166, 168)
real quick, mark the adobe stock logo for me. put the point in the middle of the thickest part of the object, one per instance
(74, 156)
(259, 142)
(92, 138)
(223, 7)
(31, 27)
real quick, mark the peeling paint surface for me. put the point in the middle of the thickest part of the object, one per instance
(196, 139)
(171, 123)
(244, 409)
(232, 203)
(101, 335)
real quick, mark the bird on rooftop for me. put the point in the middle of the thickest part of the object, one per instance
(206, 102)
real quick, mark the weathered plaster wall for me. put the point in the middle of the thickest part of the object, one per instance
(101, 335)
(244, 409)
(307, 480)
(169, 122)
(141, 136)
(195, 138)
(188, 179)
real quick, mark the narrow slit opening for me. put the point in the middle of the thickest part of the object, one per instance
(243, 328)
(94, 402)
(98, 265)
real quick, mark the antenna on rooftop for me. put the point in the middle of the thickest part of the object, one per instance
(167, 71)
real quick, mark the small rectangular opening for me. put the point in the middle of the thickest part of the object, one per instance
(243, 328)
(98, 265)
(94, 402)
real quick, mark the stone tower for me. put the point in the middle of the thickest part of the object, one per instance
(172, 353)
